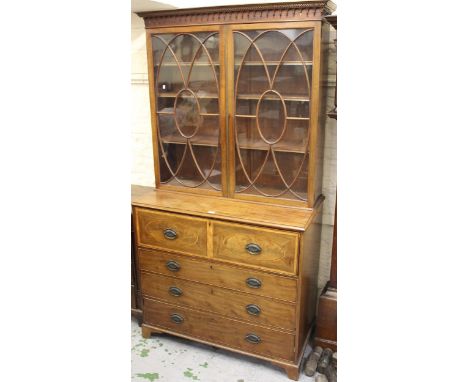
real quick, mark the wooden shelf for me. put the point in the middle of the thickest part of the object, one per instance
(242, 96)
(198, 140)
(237, 63)
(198, 63)
(268, 97)
(269, 63)
(269, 190)
(189, 182)
(287, 147)
(291, 118)
(173, 95)
(211, 141)
(202, 114)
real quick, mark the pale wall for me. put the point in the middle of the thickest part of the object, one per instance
(142, 166)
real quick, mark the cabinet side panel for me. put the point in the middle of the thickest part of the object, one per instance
(308, 276)
(154, 125)
(327, 92)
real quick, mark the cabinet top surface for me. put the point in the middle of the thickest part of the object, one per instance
(274, 216)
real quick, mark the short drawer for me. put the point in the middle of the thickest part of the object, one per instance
(259, 247)
(238, 305)
(219, 330)
(222, 275)
(171, 231)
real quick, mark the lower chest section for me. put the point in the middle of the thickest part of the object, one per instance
(236, 285)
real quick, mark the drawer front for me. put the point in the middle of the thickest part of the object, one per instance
(221, 330)
(242, 306)
(260, 247)
(171, 231)
(231, 277)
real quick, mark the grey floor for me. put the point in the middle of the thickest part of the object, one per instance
(168, 358)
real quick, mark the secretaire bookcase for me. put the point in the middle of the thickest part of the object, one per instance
(228, 240)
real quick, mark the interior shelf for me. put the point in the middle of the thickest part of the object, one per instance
(198, 140)
(291, 118)
(192, 183)
(268, 190)
(211, 141)
(242, 96)
(182, 63)
(237, 63)
(202, 114)
(273, 98)
(257, 63)
(173, 95)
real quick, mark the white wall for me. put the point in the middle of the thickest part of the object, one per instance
(142, 167)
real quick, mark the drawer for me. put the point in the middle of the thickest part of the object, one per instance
(219, 330)
(222, 275)
(259, 247)
(242, 306)
(171, 231)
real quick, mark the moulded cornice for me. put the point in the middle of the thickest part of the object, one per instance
(304, 10)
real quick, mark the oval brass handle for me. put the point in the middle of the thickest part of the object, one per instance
(176, 292)
(253, 282)
(253, 338)
(172, 266)
(253, 249)
(253, 309)
(170, 234)
(177, 318)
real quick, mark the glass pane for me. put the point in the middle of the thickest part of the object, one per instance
(186, 78)
(273, 78)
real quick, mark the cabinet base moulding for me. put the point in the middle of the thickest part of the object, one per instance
(292, 369)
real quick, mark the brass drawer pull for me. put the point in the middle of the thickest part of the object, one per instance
(170, 234)
(253, 309)
(253, 249)
(253, 338)
(176, 292)
(172, 266)
(253, 283)
(177, 318)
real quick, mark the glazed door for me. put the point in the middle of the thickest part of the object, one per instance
(271, 81)
(189, 108)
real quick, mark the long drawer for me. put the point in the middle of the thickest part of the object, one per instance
(171, 231)
(220, 330)
(256, 309)
(222, 275)
(260, 247)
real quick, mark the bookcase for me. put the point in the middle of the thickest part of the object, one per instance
(228, 240)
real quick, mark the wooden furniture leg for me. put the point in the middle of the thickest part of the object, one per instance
(292, 372)
(146, 331)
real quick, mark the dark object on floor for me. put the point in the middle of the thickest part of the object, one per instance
(324, 361)
(312, 362)
(330, 370)
(320, 378)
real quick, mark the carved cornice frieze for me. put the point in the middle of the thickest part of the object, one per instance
(304, 10)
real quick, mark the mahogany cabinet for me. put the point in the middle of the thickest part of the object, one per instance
(228, 241)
